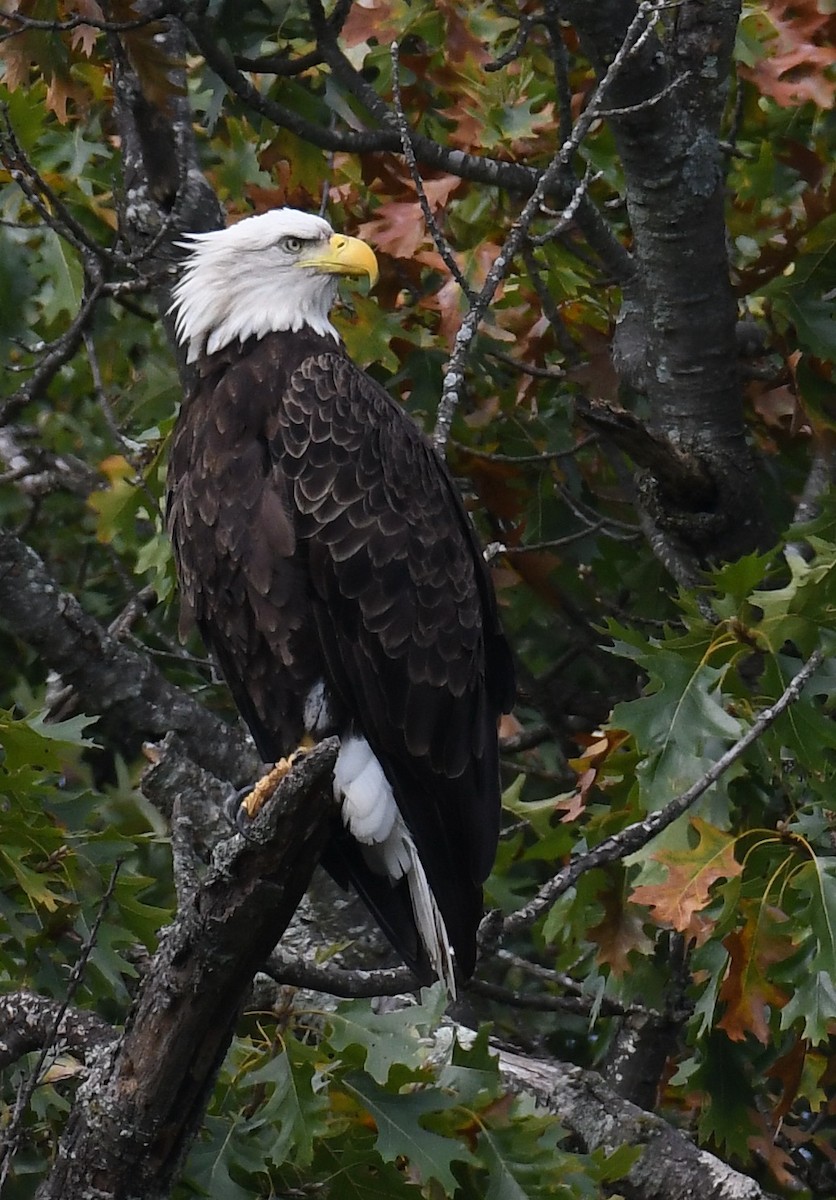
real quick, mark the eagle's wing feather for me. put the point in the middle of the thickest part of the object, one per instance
(317, 533)
(406, 619)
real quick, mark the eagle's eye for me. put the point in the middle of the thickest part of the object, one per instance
(291, 244)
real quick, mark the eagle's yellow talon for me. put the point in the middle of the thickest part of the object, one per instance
(254, 801)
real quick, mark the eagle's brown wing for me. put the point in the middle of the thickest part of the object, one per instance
(406, 617)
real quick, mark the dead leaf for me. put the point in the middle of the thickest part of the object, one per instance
(798, 64)
(691, 875)
(619, 933)
(747, 990)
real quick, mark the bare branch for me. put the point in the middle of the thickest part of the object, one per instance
(50, 208)
(339, 981)
(442, 245)
(24, 22)
(669, 1167)
(517, 46)
(55, 355)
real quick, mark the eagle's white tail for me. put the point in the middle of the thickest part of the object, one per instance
(371, 815)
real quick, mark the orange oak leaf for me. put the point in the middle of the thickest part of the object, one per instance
(398, 226)
(618, 933)
(83, 37)
(799, 59)
(747, 990)
(691, 875)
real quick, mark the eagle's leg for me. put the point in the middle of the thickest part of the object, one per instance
(257, 796)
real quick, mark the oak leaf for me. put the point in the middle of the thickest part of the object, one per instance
(798, 62)
(748, 990)
(691, 874)
(619, 933)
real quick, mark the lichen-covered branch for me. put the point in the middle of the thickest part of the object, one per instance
(119, 685)
(141, 1105)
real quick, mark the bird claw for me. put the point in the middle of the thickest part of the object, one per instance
(244, 805)
(235, 812)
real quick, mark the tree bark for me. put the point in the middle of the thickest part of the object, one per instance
(144, 1099)
(670, 1166)
(676, 337)
(119, 685)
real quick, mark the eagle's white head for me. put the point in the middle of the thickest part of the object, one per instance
(267, 273)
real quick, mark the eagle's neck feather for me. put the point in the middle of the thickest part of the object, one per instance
(222, 299)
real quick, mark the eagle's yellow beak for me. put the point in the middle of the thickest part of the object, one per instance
(343, 256)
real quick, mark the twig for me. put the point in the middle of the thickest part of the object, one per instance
(13, 1132)
(566, 217)
(527, 368)
(49, 207)
(338, 981)
(542, 458)
(634, 836)
(640, 27)
(129, 448)
(516, 48)
(442, 245)
(629, 109)
(582, 1006)
(526, 739)
(560, 60)
(67, 26)
(56, 354)
(550, 309)
(568, 539)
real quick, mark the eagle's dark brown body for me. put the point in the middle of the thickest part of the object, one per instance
(319, 538)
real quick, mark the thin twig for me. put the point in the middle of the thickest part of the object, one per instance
(527, 368)
(582, 1006)
(13, 1132)
(49, 206)
(56, 354)
(634, 836)
(442, 245)
(560, 59)
(640, 27)
(540, 458)
(67, 26)
(516, 48)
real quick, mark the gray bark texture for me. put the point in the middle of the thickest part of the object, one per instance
(676, 340)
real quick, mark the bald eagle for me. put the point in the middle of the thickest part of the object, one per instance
(324, 552)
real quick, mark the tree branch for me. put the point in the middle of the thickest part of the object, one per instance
(31, 1022)
(112, 681)
(670, 1166)
(140, 1108)
(641, 832)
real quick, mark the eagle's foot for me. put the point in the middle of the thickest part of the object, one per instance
(247, 804)
(260, 793)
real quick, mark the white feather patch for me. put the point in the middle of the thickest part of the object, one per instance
(238, 283)
(371, 816)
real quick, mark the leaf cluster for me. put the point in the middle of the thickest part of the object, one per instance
(365, 1104)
